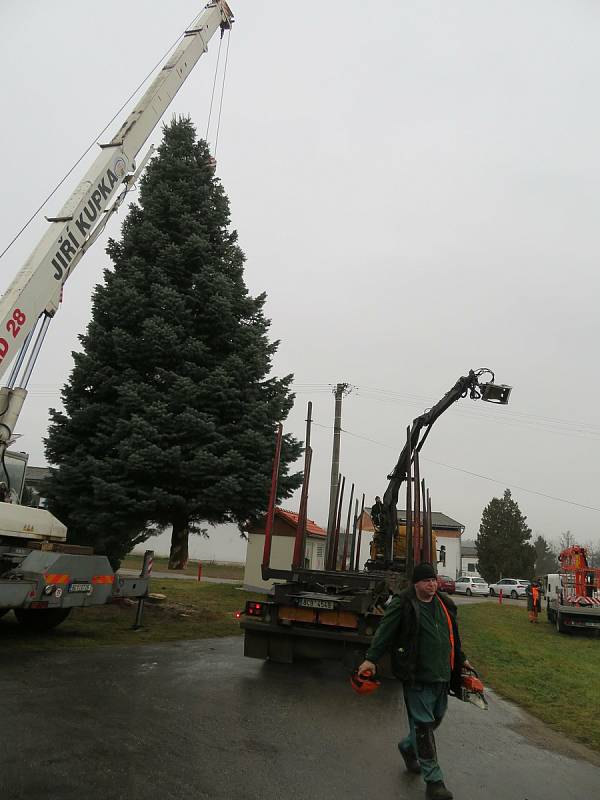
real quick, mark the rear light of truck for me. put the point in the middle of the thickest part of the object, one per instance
(39, 604)
(255, 609)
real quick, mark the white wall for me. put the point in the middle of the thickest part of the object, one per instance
(223, 544)
(470, 560)
(452, 545)
(282, 552)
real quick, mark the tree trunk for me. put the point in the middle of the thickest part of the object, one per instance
(178, 557)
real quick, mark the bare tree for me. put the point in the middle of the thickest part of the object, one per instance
(593, 554)
(567, 539)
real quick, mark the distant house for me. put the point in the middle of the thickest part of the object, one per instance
(34, 481)
(282, 547)
(469, 560)
(447, 533)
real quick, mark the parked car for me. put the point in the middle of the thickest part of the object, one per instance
(445, 584)
(468, 585)
(511, 587)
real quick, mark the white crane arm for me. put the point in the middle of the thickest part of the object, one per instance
(37, 286)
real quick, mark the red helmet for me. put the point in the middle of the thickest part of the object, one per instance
(364, 682)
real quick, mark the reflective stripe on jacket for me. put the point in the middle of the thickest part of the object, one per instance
(398, 633)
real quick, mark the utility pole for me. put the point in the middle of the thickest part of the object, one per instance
(340, 390)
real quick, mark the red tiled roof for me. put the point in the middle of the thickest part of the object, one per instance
(292, 518)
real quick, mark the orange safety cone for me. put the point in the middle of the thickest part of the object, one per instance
(500, 596)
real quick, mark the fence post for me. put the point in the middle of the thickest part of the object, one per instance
(145, 573)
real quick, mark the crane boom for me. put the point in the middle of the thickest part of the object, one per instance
(36, 289)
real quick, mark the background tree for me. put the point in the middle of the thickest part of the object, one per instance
(567, 539)
(503, 547)
(170, 410)
(545, 557)
(593, 554)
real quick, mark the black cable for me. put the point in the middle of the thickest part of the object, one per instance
(222, 91)
(468, 472)
(212, 96)
(3, 451)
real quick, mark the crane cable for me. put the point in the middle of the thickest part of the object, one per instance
(222, 91)
(85, 152)
(212, 96)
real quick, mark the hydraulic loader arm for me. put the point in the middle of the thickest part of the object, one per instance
(421, 426)
(36, 290)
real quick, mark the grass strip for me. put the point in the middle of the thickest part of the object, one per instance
(191, 611)
(554, 676)
(209, 568)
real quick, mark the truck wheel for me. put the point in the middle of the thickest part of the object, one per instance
(468, 593)
(560, 625)
(492, 592)
(41, 619)
(513, 595)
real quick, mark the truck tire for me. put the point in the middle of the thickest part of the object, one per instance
(41, 619)
(513, 595)
(492, 592)
(560, 625)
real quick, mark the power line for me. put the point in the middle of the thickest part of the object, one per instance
(474, 474)
(508, 416)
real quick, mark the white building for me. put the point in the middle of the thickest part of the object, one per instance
(282, 548)
(469, 560)
(447, 532)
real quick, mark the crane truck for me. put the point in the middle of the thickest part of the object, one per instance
(573, 594)
(333, 613)
(42, 576)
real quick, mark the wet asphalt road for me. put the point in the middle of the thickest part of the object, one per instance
(198, 720)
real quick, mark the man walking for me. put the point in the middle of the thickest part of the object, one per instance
(420, 630)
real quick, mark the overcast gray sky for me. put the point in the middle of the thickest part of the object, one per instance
(415, 186)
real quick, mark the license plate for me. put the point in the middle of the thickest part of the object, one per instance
(80, 587)
(311, 602)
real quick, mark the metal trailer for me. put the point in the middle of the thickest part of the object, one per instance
(41, 576)
(43, 581)
(573, 595)
(333, 613)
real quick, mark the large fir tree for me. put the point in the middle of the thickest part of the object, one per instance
(503, 547)
(170, 410)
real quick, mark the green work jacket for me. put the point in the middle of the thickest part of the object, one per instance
(400, 633)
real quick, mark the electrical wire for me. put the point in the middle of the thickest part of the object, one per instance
(508, 416)
(469, 472)
(410, 398)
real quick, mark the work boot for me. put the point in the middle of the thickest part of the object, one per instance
(437, 791)
(411, 761)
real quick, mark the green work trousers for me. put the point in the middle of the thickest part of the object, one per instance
(426, 704)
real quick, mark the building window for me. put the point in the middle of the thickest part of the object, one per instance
(320, 550)
(471, 567)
